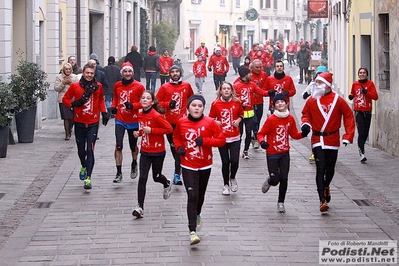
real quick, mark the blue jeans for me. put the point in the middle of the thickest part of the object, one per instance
(108, 100)
(151, 78)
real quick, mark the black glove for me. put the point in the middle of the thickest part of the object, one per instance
(305, 130)
(105, 118)
(305, 95)
(285, 93)
(128, 105)
(225, 74)
(364, 91)
(199, 141)
(209, 69)
(78, 103)
(351, 97)
(271, 93)
(172, 104)
(345, 143)
(264, 145)
(113, 110)
(181, 151)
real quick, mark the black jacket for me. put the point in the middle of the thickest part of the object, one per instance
(113, 74)
(303, 58)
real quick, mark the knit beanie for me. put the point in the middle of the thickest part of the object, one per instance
(279, 97)
(174, 67)
(196, 97)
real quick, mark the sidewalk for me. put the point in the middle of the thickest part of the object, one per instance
(47, 218)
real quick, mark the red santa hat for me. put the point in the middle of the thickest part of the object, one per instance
(326, 78)
(236, 41)
(127, 65)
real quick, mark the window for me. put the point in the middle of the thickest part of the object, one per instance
(287, 5)
(222, 2)
(237, 3)
(196, 1)
(275, 4)
(60, 52)
(384, 67)
(264, 4)
(251, 3)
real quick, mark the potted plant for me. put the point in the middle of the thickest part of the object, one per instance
(7, 103)
(29, 86)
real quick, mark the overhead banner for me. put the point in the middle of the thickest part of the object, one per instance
(317, 9)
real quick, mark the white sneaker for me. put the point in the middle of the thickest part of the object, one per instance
(226, 190)
(167, 191)
(265, 186)
(280, 207)
(194, 239)
(363, 158)
(233, 185)
(256, 145)
(138, 212)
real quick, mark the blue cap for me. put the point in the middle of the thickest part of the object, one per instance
(321, 69)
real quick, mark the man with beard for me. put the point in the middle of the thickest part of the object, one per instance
(323, 113)
(87, 99)
(173, 97)
(125, 106)
(279, 82)
(220, 67)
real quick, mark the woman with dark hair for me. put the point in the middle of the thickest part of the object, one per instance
(153, 127)
(362, 93)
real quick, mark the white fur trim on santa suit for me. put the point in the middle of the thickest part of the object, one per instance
(324, 81)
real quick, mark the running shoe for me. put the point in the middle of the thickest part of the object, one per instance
(226, 190)
(233, 185)
(363, 158)
(266, 186)
(138, 212)
(118, 178)
(177, 179)
(311, 158)
(323, 206)
(280, 207)
(87, 183)
(194, 239)
(133, 173)
(245, 155)
(82, 173)
(167, 191)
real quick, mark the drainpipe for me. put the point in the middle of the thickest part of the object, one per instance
(78, 29)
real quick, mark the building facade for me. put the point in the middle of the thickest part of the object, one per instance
(48, 31)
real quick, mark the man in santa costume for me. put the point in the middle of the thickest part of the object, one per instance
(323, 113)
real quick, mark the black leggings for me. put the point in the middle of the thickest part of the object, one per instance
(145, 163)
(230, 155)
(85, 140)
(195, 183)
(363, 121)
(176, 156)
(278, 173)
(257, 118)
(218, 79)
(248, 131)
(120, 133)
(325, 168)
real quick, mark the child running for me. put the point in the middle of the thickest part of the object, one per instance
(228, 114)
(153, 127)
(194, 137)
(278, 128)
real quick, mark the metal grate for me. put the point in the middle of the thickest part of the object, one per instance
(362, 202)
(43, 205)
